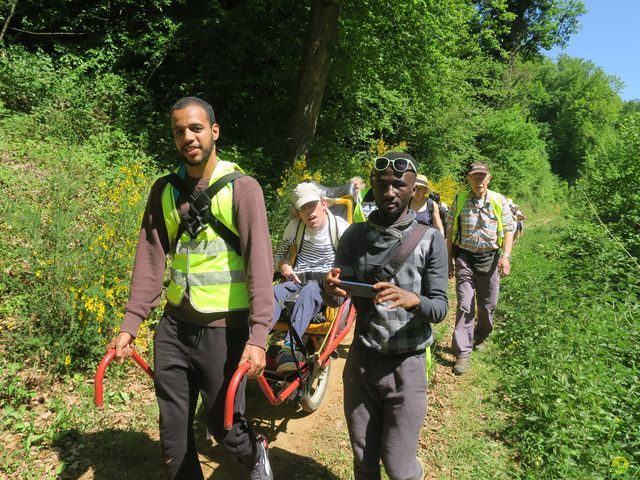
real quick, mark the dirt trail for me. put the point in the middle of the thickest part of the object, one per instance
(302, 446)
(292, 432)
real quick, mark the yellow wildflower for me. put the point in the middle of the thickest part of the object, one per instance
(620, 465)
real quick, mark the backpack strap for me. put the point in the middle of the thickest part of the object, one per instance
(199, 214)
(294, 248)
(333, 232)
(400, 252)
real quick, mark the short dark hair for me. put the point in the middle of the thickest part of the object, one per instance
(186, 101)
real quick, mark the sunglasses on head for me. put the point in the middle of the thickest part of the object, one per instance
(398, 164)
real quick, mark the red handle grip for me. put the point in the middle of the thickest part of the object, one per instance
(231, 394)
(102, 367)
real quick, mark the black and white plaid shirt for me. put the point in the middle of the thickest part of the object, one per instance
(361, 251)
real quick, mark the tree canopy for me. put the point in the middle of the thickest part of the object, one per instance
(453, 80)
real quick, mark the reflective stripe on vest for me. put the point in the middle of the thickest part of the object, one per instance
(496, 206)
(210, 269)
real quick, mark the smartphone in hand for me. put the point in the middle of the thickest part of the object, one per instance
(356, 289)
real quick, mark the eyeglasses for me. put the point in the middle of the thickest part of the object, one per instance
(398, 164)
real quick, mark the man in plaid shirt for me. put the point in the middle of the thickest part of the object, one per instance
(385, 384)
(479, 244)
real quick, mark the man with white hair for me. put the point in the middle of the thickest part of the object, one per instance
(479, 244)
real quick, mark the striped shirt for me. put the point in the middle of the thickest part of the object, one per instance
(317, 252)
(478, 224)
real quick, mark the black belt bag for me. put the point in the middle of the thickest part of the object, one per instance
(481, 263)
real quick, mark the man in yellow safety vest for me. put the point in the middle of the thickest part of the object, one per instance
(210, 219)
(479, 246)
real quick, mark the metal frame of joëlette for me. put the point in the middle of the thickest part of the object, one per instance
(334, 340)
(102, 366)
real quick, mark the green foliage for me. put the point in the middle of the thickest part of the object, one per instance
(581, 109)
(70, 97)
(73, 212)
(569, 334)
(75, 190)
(518, 158)
(13, 391)
(632, 106)
(524, 27)
(609, 183)
(404, 84)
(25, 79)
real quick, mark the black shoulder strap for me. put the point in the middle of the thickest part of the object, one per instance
(400, 253)
(199, 213)
(457, 220)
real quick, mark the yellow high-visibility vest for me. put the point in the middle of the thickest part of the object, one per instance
(496, 206)
(206, 266)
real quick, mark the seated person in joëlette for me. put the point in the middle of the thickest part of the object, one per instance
(306, 253)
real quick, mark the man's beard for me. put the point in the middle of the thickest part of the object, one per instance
(205, 157)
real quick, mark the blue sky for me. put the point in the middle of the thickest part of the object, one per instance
(609, 36)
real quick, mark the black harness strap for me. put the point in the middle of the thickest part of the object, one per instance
(400, 253)
(199, 214)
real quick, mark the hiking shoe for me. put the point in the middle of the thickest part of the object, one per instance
(285, 361)
(462, 365)
(480, 346)
(262, 469)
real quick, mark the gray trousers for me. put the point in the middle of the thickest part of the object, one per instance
(191, 360)
(472, 288)
(385, 403)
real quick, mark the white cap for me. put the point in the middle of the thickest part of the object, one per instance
(304, 193)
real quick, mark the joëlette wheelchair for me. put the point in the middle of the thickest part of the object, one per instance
(308, 384)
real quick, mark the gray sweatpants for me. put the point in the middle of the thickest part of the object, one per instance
(385, 403)
(472, 288)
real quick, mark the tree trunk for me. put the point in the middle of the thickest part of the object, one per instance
(314, 71)
(6, 23)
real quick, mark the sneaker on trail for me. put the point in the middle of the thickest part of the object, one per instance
(285, 362)
(462, 365)
(262, 469)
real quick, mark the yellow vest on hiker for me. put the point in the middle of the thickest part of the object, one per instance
(206, 265)
(496, 205)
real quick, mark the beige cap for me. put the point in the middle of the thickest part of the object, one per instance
(422, 181)
(304, 193)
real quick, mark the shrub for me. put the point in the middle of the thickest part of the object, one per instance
(74, 214)
(608, 185)
(569, 358)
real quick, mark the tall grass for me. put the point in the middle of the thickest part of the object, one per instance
(569, 335)
(72, 214)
